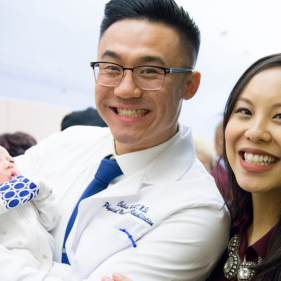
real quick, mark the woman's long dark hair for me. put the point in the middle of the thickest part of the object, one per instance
(240, 201)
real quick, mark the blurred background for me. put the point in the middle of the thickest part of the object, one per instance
(46, 47)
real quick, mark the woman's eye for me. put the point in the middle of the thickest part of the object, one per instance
(277, 116)
(243, 111)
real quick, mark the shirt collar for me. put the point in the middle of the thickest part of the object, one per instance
(259, 248)
(133, 162)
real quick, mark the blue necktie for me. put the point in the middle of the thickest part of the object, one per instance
(107, 171)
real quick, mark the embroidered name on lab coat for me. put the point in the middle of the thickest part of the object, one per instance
(138, 210)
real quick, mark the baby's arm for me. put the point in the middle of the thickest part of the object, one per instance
(47, 204)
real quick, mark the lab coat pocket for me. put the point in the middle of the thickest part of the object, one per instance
(97, 243)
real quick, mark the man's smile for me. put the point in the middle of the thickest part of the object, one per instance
(130, 113)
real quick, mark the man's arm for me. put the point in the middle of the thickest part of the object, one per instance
(178, 249)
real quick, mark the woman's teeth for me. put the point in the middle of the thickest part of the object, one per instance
(263, 160)
(131, 112)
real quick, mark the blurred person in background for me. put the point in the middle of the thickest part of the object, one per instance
(87, 117)
(205, 151)
(219, 170)
(16, 144)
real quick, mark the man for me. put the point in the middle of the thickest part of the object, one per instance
(163, 219)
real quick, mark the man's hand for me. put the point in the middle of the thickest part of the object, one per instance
(116, 277)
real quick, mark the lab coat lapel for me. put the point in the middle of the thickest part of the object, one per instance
(89, 207)
(127, 187)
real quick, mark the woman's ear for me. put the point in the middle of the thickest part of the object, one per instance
(192, 85)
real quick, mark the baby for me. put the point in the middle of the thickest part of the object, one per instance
(28, 210)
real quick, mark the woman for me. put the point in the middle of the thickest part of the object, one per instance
(252, 153)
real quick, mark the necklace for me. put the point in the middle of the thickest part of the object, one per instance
(234, 267)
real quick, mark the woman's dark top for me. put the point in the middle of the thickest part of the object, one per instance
(252, 253)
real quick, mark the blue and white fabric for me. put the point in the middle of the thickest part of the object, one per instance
(16, 192)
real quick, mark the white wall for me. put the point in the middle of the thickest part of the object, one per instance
(38, 120)
(46, 48)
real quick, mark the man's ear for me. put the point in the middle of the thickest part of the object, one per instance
(192, 85)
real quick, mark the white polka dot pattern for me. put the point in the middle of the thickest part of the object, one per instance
(17, 191)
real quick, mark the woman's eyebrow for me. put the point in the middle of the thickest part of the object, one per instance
(245, 100)
(277, 105)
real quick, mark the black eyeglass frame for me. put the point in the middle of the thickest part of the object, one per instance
(165, 69)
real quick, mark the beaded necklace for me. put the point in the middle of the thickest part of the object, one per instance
(234, 267)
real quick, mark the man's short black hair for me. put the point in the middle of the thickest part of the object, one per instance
(162, 11)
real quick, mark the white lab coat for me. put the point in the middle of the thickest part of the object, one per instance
(180, 226)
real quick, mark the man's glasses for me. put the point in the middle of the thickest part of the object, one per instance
(147, 77)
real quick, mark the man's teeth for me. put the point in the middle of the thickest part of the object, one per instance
(263, 160)
(131, 112)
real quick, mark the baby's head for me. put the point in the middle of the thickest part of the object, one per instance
(8, 168)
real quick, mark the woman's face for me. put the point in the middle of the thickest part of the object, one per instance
(253, 134)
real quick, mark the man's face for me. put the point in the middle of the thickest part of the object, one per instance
(137, 118)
